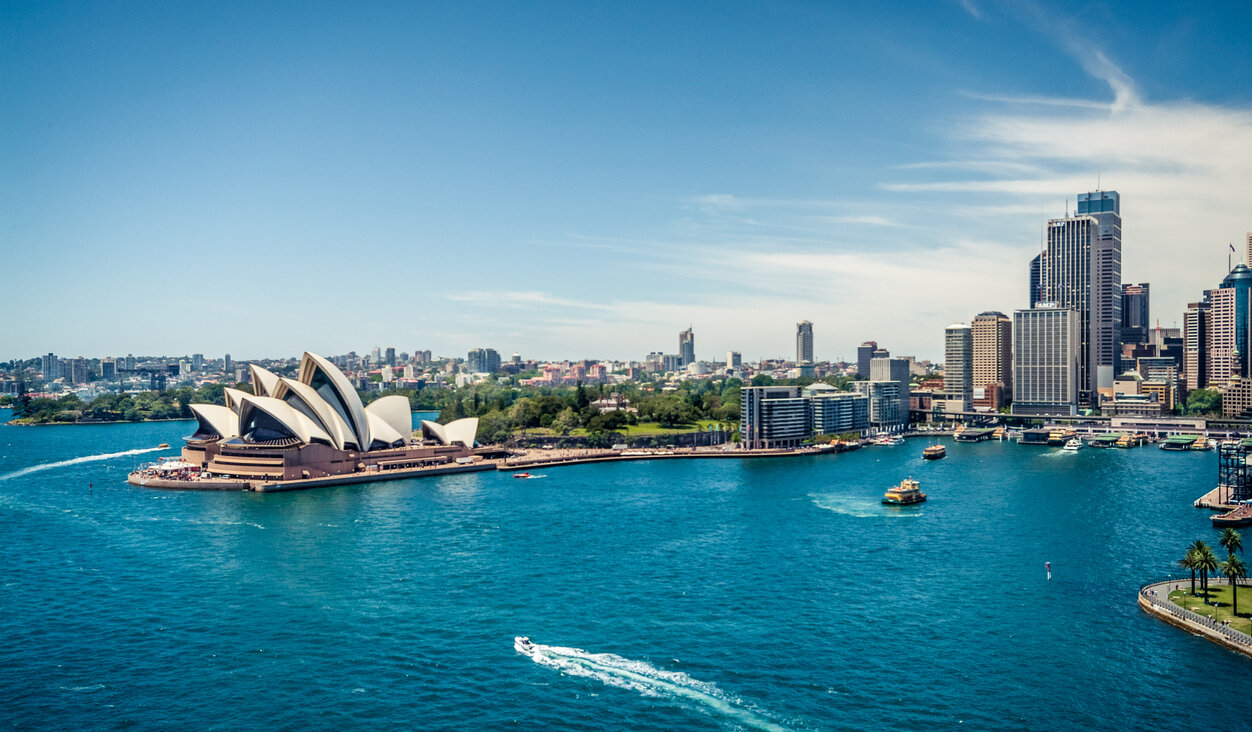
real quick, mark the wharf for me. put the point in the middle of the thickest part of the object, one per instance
(974, 435)
(583, 457)
(271, 486)
(1217, 499)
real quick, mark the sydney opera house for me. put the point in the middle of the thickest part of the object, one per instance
(315, 426)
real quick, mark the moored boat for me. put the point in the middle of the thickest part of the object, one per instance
(1073, 444)
(934, 452)
(905, 494)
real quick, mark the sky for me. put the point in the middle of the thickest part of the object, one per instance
(587, 179)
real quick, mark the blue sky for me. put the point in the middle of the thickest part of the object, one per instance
(572, 180)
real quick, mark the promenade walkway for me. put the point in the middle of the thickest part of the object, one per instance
(1154, 599)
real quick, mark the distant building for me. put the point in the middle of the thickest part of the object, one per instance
(884, 403)
(389, 357)
(108, 369)
(1046, 351)
(1194, 337)
(1036, 280)
(804, 342)
(77, 371)
(686, 348)
(50, 367)
(197, 362)
(836, 412)
(734, 359)
(483, 361)
(992, 336)
(226, 364)
(864, 353)
(958, 368)
(1135, 323)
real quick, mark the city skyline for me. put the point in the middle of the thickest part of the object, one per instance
(484, 169)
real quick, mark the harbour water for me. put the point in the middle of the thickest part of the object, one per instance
(710, 594)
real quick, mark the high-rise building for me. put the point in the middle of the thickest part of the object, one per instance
(864, 353)
(77, 371)
(992, 335)
(483, 361)
(226, 364)
(108, 369)
(390, 357)
(686, 348)
(958, 367)
(1248, 261)
(734, 359)
(197, 362)
(50, 367)
(1036, 280)
(804, 342)
(1046, 355)
(1135, 322)
(895, 370)
(376, 356)
(130, 362)
(1081, 271)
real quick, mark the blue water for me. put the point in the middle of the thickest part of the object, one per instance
(771, 594)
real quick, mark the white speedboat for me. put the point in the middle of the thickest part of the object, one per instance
(522, 644)
(1073, 444)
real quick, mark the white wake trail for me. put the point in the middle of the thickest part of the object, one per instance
(77, 460)
(624, 673)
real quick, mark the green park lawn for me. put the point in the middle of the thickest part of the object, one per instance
(1223, 611)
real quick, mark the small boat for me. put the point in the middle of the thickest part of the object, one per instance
(934, 452)
(905, 494)
(163, 446)
(523, 645)
(1073, 444)
(889, 440)
(521, 475)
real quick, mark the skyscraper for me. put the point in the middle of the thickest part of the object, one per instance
(864, 353)
(992, 335)
(1194, 338)
(1135, 323)
(686, 348)
(804, 342)
(734, 359)
(1081, 271)
(1248, 261)
(51, 367)
(958, 374)
(197, 362)
(1046, 349)
(390, 356)
(226, 364)
(1036, 280)
(483, 361)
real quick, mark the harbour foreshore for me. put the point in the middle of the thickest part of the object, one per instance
(1154, 599)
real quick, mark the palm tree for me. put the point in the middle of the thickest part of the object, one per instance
(1231, 541)
(1233, 569)
(1206, 561)
(1188, 562)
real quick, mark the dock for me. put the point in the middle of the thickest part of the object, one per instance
(974, 435)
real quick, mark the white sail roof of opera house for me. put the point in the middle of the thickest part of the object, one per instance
(321, 406)
(461, 430)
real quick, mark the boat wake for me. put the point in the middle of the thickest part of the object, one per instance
(76, 461)
(857, 507)
(624, 673)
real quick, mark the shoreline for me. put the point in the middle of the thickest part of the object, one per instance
(15, 423)
(1192, 622)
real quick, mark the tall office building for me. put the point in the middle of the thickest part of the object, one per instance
(992, 335)
(376, 356)
(686, 348)
(390, 357)
(1036, 280)
(197, 362)
(226, 364)
(1135, 322)
(864, 353)
(804, 342)
(734, 359)
(1194, 337)
(108, 369)
(1046, 355)
(895, 370)
(483, 361)
(958, 368)
(1081, 271)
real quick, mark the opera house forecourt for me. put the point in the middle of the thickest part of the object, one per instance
(310, 431)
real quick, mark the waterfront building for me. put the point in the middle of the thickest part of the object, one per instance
(1135, 322)
(895, 370)
(773, 416)
(836, 412)
(864, 353)
(804, 342)
(884, 402)
(958, 368)
(1237, 398)
(1081, 271)
(992, 338)
(686, 348)
(483, 361)
(1046, 352)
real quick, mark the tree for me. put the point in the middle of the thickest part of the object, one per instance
(565, 421)
(1204, 401)
(1233, 569)
(1188, 562)
(1205, 561)
(1231, 540)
